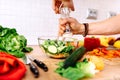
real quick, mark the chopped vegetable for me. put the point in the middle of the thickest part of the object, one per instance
(117, 44)
(13, 43)
(104, 41)
(79, 71)
(98, 62)
(104, 53)
(52, 49)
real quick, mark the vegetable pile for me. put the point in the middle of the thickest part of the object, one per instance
(80, 70)
(13, 43)
(107, 54)
(74, 70)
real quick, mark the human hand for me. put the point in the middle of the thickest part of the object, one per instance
(75, 26)
(56, 4)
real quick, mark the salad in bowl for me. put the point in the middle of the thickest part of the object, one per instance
(56, 48)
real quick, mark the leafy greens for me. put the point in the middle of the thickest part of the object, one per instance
(80, 70)
(13, 43)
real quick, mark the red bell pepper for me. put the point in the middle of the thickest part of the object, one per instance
(11, 67)
(91, 43)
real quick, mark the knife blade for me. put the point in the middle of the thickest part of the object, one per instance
(39, 63)
(110, 48)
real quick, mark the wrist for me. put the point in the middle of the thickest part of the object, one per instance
(86, 26)
(84, 29)
(81, 29)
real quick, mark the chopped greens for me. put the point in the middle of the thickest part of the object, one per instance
(13, 43)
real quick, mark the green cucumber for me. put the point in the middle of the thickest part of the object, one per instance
(72, 59)
(52, 49)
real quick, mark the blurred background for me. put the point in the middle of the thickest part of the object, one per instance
(34, 18)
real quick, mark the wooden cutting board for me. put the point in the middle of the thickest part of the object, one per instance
(110, 72)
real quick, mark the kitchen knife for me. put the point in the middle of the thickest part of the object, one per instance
(33, 68)
(39, 63)
(111, 48)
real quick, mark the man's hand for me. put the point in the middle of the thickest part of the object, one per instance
(56, 4)
(76, 27)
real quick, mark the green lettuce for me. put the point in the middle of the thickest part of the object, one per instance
(80, 70)
(13, 43)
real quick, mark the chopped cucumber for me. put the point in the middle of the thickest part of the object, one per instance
(52, 49)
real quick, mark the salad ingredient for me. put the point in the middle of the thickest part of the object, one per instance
(103, 52)
(80, 43)
(13, 43)
(91, 43)
(117, 44)
(111, 40)
(77, 72)
(72, 59)
(52, 49)
(104, 41)
(98, 62)
(11, 67)
(72, 43)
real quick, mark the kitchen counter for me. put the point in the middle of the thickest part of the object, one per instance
(111, 72)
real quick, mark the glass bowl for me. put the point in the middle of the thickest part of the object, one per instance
(56, 47)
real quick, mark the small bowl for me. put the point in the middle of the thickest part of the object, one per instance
(59, 47)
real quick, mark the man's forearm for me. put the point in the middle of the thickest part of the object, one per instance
(106, 27)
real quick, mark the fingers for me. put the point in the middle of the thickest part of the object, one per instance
(69, 3)
(64, 21)
(72, 5)
(55, 5)
(61, 30)
(74, 25)
(62, 24)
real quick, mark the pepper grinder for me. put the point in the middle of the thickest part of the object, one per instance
(65, 13)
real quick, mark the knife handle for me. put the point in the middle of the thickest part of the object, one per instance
(34, 70)
(41, 65)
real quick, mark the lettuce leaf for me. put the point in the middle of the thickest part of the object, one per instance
(80, 70)
(12, 42)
